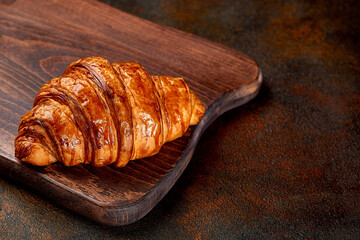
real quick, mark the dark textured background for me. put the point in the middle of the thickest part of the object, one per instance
(286, 165)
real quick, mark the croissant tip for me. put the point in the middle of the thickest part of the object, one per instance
(22, 149)
(198, 109)
(32, 152)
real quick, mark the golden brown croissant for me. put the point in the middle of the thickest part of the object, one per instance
(100, 113)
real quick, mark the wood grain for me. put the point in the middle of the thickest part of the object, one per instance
(37, 42)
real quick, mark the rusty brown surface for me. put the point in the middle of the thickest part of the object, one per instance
(285, 165)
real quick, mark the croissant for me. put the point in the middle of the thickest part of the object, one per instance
(100, 113)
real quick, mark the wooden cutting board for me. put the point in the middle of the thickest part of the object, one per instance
(39, 39)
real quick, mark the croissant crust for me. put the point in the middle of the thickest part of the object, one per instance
(100, 113)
